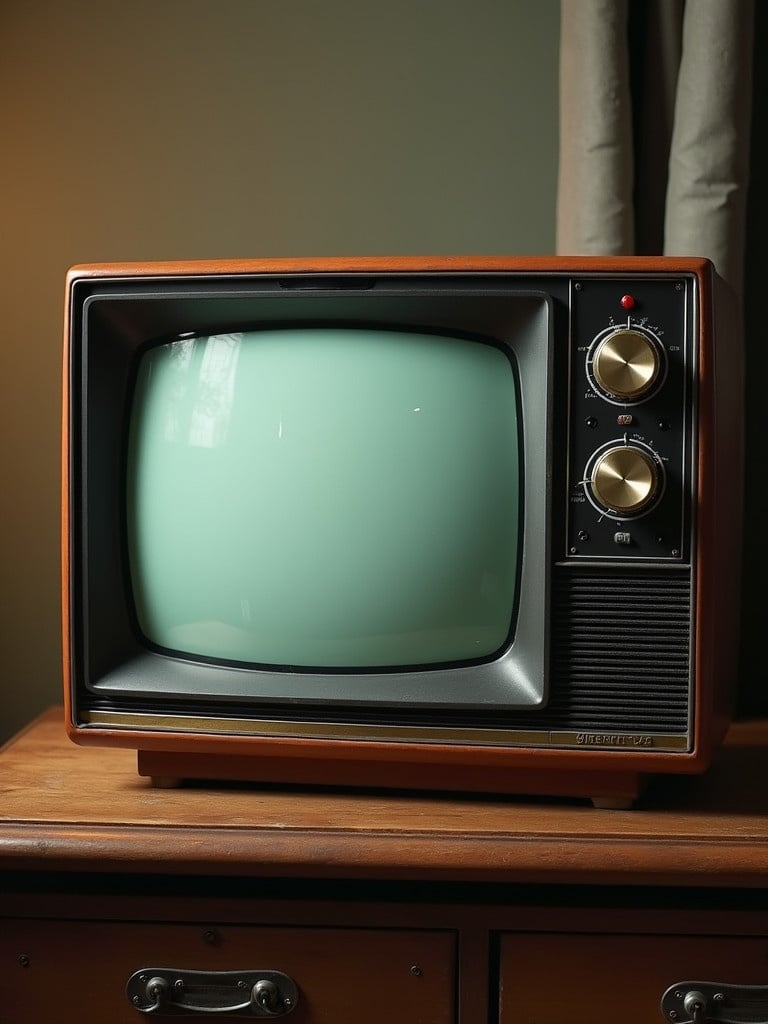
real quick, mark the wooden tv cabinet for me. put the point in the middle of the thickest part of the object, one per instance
(379, 907)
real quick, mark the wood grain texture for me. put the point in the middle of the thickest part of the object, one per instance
(63, 807)
(342, 974)
(624, 974)
(391, 264)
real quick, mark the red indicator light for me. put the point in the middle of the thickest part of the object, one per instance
(627, 302)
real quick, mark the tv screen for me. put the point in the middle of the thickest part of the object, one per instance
(325, 497)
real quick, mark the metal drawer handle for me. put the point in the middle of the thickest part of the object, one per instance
(165, 991)
(702, 1002)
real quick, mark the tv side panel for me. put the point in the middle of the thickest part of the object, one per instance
(719, 504)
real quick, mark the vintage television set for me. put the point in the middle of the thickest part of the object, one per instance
(467, 524)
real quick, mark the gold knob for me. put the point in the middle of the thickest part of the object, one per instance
(626, 364)
(624, 479)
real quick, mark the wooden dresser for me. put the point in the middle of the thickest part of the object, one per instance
(376, 907)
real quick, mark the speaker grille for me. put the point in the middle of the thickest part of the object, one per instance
(621, 651)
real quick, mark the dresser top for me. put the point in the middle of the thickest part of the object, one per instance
(64, 808)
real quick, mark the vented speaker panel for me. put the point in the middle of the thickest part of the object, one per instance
(621, 651)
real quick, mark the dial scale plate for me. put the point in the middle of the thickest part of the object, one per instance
(652, 428)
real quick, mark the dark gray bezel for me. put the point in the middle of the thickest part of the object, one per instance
(115, 319)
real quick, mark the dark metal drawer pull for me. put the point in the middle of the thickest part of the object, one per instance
(700, 1002)
(166, 991)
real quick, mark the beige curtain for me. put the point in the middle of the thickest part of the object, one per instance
(654, 128)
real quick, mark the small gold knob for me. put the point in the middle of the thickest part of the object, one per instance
(626, 364)
(624, 479)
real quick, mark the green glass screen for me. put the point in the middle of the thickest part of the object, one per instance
(318, 497)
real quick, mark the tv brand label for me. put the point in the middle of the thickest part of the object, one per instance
(609, 739)
(620, 740)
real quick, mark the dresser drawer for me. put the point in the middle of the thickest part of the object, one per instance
(76, 972)
(582, 978)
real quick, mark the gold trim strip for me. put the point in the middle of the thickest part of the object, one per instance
(423, 734)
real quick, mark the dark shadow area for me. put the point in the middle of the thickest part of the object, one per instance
(753, 691)
(736, 783)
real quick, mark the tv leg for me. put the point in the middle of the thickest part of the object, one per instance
(613, 803)
(164, 782)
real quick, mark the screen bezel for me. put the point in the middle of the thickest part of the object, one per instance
(114, 320)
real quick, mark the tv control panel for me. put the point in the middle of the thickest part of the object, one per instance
(630, 472)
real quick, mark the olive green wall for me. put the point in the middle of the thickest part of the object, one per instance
(157, 129)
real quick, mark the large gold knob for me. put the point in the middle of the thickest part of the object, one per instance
(626, 364)
(624, 479)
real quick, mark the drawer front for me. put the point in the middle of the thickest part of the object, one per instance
(75, 972)
(583, 978)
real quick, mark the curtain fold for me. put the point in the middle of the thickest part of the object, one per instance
(655, 50)
(595, 177)
(709, 156)
(654, 128)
